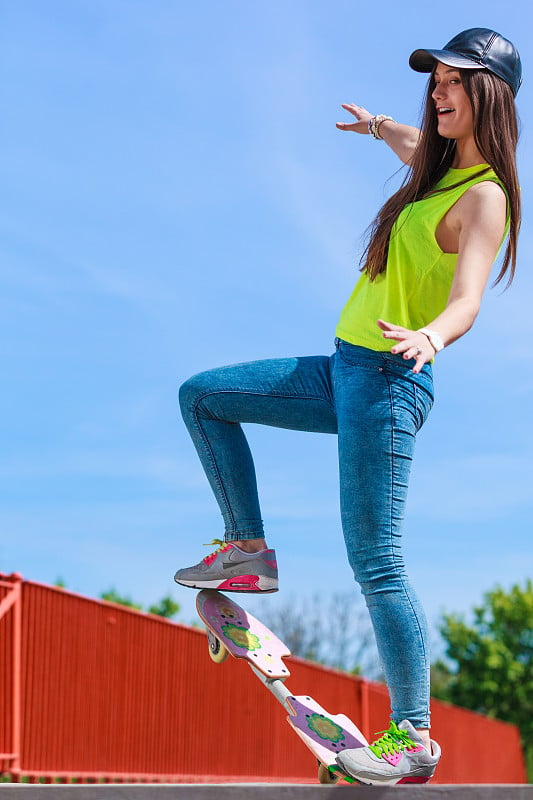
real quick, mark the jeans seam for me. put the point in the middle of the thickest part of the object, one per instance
(400, 575)
(209, 451)
(263, 394)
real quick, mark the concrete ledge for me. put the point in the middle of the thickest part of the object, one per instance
(258, 791)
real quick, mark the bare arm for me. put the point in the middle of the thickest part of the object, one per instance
(483, 211)
(481, 216)
(402, 139)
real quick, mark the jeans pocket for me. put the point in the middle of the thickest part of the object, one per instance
(356, 356)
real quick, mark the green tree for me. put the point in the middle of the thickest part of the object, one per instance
(493, 655)
(441, 676)
(167, 607)
(112, 596)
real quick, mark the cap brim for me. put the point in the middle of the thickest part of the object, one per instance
(424, 60)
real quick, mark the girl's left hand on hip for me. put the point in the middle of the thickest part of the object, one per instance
(412, 344)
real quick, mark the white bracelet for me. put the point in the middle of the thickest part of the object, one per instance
(374, 124)
(435, 339)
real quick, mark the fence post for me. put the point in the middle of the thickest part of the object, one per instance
(13, 601)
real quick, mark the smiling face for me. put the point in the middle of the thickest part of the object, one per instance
(454, 110)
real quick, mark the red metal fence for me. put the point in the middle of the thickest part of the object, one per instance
(92, 690)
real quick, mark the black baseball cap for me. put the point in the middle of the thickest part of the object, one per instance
(475, 48)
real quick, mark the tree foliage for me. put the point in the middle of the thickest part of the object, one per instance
(112, 596)
(493, 655)
(166, 607)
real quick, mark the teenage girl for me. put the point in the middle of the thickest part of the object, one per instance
(425, 268)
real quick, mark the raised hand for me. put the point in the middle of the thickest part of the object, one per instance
(362, 116)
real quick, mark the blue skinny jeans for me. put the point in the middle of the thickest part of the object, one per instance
(375, 404)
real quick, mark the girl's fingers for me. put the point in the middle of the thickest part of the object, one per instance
(398, 333)
(420, 361)
(391, 328)
(412, 352)
(394, 335)
(353, 109)
(400, 347)
(403, 346)
(385, 326)
(407, 343)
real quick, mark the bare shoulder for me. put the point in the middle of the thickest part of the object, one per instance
(484, 197)
(483, 206)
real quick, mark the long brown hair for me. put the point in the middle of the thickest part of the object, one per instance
(496, 137)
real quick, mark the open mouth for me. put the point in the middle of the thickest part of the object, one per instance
(444, 110)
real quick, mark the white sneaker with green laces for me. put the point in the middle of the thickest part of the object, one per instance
(399, 756)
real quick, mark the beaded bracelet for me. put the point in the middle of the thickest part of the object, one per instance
(374, 124)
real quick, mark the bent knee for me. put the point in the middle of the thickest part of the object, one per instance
(192, 390)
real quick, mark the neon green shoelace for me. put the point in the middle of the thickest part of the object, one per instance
(221, 546)
(393, 741)
(218, 542)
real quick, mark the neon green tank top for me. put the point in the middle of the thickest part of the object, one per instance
(414, 288)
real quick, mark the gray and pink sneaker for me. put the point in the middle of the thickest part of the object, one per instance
(230, 569)
(398, 757)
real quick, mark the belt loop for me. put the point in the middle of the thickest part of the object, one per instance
(337, 342)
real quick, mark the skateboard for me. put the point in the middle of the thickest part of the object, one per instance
(232, 630)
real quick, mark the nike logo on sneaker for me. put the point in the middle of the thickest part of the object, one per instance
(226, 565)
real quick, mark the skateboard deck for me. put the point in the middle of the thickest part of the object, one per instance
(324, 733)
(242, 634)
(245, 637)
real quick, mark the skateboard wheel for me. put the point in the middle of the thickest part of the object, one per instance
(325, 775)
(217, 651)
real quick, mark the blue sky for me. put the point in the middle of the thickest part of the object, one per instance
(175, 196)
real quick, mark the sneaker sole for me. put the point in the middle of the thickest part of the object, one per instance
(386, 781)
(258, 584)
